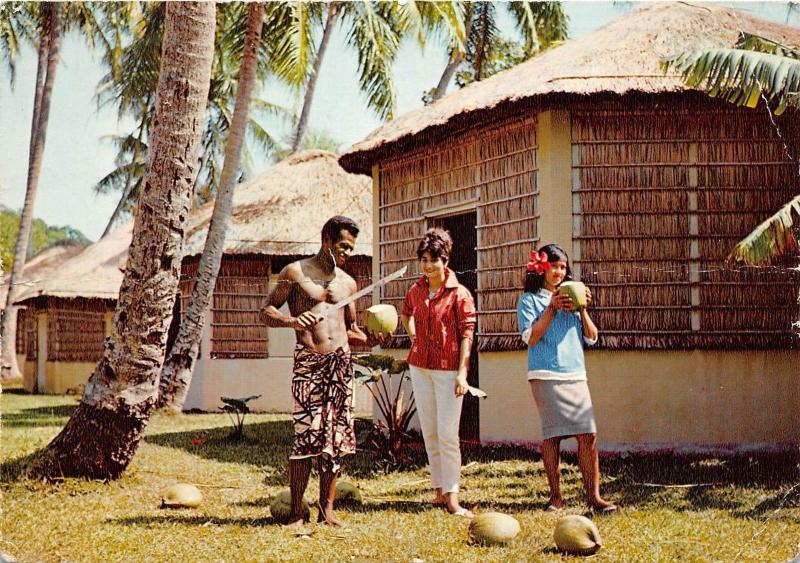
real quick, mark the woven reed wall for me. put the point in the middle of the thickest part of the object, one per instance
(492, 170)
(660, 196)
(75, 329)
(236, 329)
(360, 268)
(27, 337)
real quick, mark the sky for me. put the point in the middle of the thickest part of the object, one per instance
(77, 155)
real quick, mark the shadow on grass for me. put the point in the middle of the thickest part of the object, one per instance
(186, 520)
(14, 469)
(56, 415)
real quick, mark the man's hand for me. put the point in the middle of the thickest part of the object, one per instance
(461, 386)
(306, 321)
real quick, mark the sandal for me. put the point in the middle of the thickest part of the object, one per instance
(464, 513)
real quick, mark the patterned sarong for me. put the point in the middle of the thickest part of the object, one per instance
(322, 388)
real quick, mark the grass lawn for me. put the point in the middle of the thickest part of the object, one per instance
(740, 508)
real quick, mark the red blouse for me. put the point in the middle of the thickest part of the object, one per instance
(441, 322)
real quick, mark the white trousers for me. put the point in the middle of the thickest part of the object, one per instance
(439, 413)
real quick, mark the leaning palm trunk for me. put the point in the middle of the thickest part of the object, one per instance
(51, 43)
(103, 434)
(302, 123)
(177, 371)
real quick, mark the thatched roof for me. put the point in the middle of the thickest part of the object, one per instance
(279, 213)
(620, 58)
(95, 272)
(43, 264)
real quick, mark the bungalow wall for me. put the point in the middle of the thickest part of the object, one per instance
(239, 355)
(648, 196)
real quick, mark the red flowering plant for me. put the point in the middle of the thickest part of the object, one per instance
(538, 262)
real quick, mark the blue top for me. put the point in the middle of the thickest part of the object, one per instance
(559, 353)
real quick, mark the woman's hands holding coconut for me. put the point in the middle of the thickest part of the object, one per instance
(561, 301)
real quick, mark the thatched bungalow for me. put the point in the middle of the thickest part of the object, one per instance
(39, 267)
(647, 185)
(277, 217)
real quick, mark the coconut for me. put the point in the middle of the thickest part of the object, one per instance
(348, 493)
(281, 507)
(181, 495)
(576, 292)
(493, 528)
(380, 318)
(577, 535)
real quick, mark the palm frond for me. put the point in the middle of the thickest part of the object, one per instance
(484, 32)
(772, 238)
(371, 35)
(751, 42)
(739, 76)
(295, 46)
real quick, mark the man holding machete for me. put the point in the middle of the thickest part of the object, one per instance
(321, 298)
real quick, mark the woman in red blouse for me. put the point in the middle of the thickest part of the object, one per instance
(439, 317)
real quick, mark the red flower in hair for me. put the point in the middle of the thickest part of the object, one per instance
(538, 262)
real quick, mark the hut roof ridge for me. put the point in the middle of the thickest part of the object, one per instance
(621, 57)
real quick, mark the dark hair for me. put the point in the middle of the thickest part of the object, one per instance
(437, 243)
(533, 281)
(332, 230)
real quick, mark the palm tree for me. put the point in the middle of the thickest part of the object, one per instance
(103, 433)
(541, 24)
(48, 56)
(136, 81)
(755, 70)
(51, 19)
(374, 30)
(179, 364)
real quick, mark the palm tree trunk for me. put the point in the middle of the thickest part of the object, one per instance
(452, 65)
(177, 372)
(41, 113)
(103, 434)
(302, 123)
(455, 58)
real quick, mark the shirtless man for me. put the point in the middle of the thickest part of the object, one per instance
(322, 385)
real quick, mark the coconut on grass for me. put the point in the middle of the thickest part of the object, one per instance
(493, 528)
(181, 495)
(576, 292)
(348, 493)
(380, 318)
(281, 507)
(577, 535)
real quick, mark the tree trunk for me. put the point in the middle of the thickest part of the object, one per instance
(41, 113)
(452, 65)
(455, 58)
(177, 372)
(103, 434)
(302, 124)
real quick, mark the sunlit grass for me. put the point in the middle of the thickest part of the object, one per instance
(723, 508)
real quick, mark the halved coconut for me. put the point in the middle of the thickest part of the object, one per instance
(493, 528)
(347, 492)
(181, 495)
(381, 318)
(281, 507)
(577, 535)
(576, 292)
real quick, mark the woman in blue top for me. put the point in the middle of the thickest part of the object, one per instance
(555, 335)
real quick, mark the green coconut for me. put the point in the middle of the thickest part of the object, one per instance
(493, 528)
(281, 507)
(381, 318)
(348, 493)
(577, 535)
(576, 292)
(181, 495)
